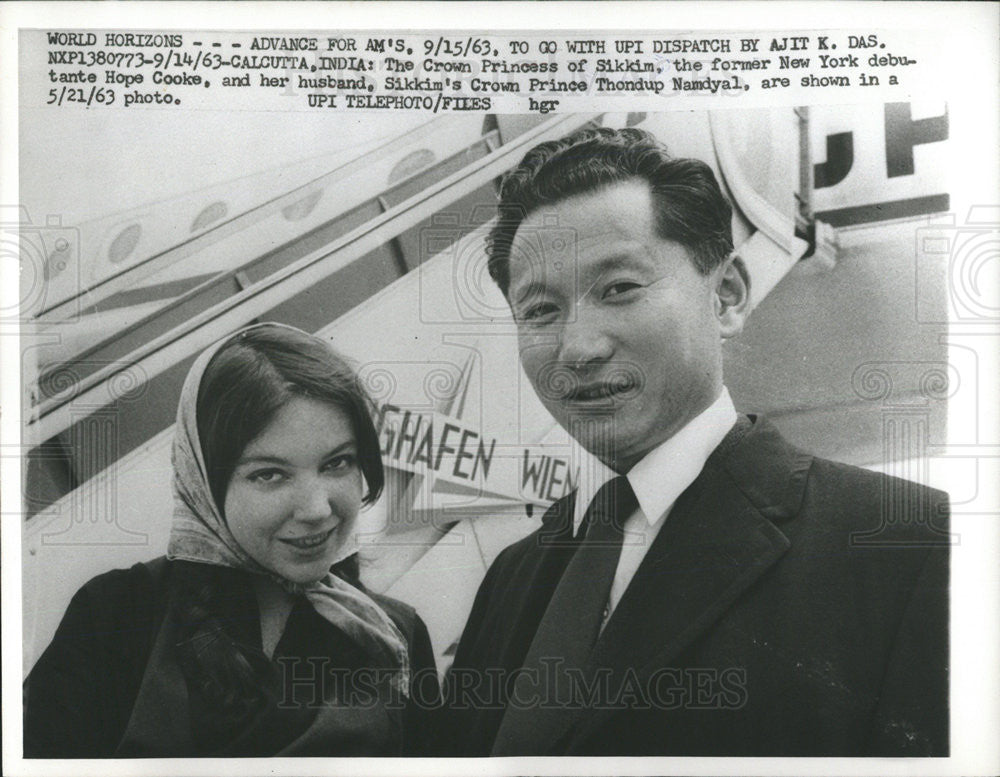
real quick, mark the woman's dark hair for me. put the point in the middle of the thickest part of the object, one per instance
(254, 375)
(244, 385)
(690, 208)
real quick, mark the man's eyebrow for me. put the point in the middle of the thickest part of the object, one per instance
(534, 288)
(617, 259)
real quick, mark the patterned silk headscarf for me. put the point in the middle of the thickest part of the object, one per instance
(199, 533)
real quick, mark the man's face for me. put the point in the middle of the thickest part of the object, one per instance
(618, 331)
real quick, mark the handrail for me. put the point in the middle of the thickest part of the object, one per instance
(268, 237)
(53, 414)
(124, 279)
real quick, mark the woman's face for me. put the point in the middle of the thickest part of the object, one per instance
(296, 490)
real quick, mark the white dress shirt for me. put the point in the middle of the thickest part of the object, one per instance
(658, 479)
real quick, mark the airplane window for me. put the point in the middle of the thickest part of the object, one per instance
(410, 164)
(302, 208)
(213, 212)
(124, 244)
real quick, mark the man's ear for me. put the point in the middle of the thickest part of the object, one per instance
(732, 296)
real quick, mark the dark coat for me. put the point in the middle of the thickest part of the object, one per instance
(788, 606)
(80, 695)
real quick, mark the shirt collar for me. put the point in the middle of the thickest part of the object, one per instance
(663, 473)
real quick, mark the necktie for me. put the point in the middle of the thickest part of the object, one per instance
(543, 697)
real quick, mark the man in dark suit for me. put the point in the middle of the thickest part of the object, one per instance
(714, 591)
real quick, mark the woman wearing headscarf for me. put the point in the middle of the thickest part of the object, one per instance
(254, 635)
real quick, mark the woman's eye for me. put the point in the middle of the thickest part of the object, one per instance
(338, 463)
(621, 287)
(266, 476)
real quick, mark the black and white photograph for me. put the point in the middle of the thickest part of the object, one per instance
(582, 396)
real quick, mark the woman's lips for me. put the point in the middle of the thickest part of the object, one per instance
(310, 542)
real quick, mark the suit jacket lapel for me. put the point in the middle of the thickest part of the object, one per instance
(715, 543)
(535, 578)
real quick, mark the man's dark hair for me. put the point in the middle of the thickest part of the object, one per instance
(690, 207)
